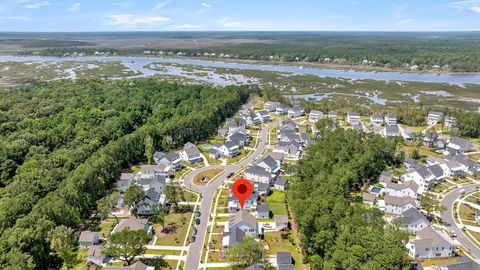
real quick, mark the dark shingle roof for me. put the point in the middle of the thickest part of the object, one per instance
(284, 258)
(411, 216)
(263, 208)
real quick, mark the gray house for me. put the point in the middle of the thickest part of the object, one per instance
(88, 238)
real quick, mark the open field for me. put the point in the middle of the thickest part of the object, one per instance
(205, 177)
(174, 232)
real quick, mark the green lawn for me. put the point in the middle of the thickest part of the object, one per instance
(276, 202)
(174, 222)
(206, 176)
(163, 252)
(277, 244)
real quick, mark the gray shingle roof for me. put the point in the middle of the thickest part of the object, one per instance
(436, 170)
(256, 170)
(281, 182)
(411, 216)
(424, 172)
(284, 258)
(399, 201)
(263, 208)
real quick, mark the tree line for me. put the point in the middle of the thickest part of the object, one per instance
(168, 113)
(337, 233)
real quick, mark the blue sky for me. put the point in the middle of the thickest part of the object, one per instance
(230, 15)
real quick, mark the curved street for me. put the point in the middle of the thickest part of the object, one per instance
(448, 217)
(208, 193)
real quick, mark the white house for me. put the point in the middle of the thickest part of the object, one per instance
(314, 116)
(95, 256)
(391, 131)
(269, 164)
(422, 177)
(412, 220)
(450, 122)
(460, 145)
(271, 106)
(353, 118)
(431, 244)
(88, 238)
(282, 109)
(250, 203)
(295, 112)
(376, 119)
(390, 119)
(244, 221)
(172, 160)
(396, 205)
(191, 154)
(263, 211)
(405, 189)
(258, 174)
(151, 199)
(434, 118)
(332, 115)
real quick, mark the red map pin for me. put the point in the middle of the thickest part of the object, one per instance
(242, 189)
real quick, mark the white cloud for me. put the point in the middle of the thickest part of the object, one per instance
(206, 5)
(74, 7)
(475, 9)
(35, 5)
(134, 20)
(187, 26)
(466, 4)
(205, 8)
(161, 4)
(226, 22)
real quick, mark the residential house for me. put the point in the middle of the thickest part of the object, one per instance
(412, 220)
(95, 256)
(287, 125)
(135, 266)
(376, 119)
(369, 198)
(281, 222)
(434, 118)
(229, 149)
(232, 238)
(332, 115)
(391, 131)
(390, 119)
(422, 177)
(250, 203)
(291, 150)
(151, 199)
(231, 124)
(254, 267)
(432, 140)
(270, 165)
(450, 122)
(133, 224)
(191, 154)
(157, 183)
(214, 153)
(460, 145)
(385, 178)
(295, 112)
(262, 189)
(396, 205)
(314, 116)
(278, 157)
(88, 238)
(126, 179)
(172, 160)
(285, 261)
(282, 109)
(408, 134)
(271, 106)
(281, 184)
(463, 263)
(239, 137)
(263, 211)
(405, 189)
(258, 174)
(245, 222)
(431, 244)
(353, 118)
(410, 163)
(263, 115)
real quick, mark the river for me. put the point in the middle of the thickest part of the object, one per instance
(137, 64)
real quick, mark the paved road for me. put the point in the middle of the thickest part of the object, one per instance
(208, 193)
(447, 216)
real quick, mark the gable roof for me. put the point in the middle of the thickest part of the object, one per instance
(281, 181)
(399, 201)
(284, 258)
(133, 224)
(87, 236)
(428, 237)
(399, 186)
(269, 161)
(94, 250)
(254, 267)
(464, 263)
(257, 170)
(436, 170)
(262, 208)
(242, 216)
(411, 216)
(236, 236)
(369, 197)
(386, 177)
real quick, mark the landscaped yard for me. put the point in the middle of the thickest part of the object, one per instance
(203, 178)
(276, 244)
(175, 231)
(276, 202)
(243, 154)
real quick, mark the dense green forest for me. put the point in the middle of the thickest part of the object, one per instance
(336, 234)
(64, 143)
(458, 52)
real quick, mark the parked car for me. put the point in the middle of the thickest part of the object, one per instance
(199, 214)
(192, 239)
(195, 231)
(197, 221)
(230, 175)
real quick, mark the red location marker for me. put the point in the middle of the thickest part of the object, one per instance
(242, 189)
